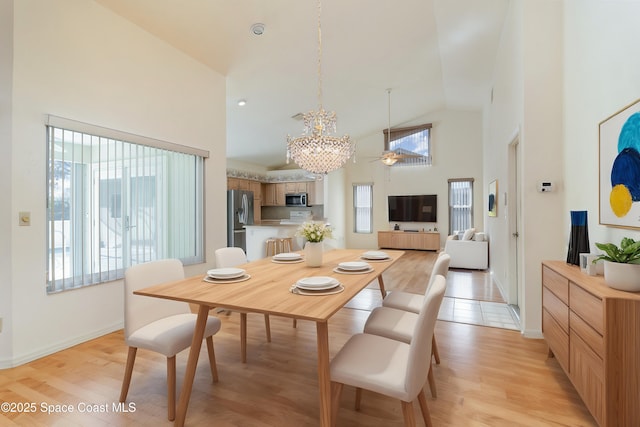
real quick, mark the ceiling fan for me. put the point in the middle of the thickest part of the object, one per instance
(391, 157)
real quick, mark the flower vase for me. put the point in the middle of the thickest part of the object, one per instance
(313, 254)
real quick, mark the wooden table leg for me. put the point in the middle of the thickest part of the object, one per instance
(324, 374)
(192, 363)
(381, 283)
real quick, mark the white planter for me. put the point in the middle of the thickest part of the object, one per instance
(625, 277)
(313, 254)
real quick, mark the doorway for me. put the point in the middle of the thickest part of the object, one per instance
(514, 221)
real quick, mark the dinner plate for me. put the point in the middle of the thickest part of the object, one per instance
(335, 290)
(242, 278)
(226, 273)
(317, 283)
(353, 265)
(365, 271)
(375, 255)
(287, 256)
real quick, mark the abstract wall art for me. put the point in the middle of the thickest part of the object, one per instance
(620, 168)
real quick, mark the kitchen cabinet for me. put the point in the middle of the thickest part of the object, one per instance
(274, 194)
(592, 331)
(421, 240)
(315, 191)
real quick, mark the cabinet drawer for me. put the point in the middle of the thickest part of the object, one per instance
(556, 308)
(557, 283)
(557, 339)
(590, 336)
(587, 375)
(588, 307)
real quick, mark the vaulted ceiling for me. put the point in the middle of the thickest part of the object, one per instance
(433, 54)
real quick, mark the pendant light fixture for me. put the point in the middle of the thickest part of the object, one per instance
(317, 150)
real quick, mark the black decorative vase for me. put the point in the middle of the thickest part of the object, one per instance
(579, 237)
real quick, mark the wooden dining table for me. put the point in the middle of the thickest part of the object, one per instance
(268, 291)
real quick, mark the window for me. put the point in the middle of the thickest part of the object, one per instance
(113, 203)
(460, 204)
(413, 142)
(362, 208)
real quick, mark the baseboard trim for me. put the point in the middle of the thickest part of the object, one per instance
(54, 348)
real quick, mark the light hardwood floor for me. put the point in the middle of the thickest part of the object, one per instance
(488, 377)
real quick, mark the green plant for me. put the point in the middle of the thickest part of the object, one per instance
(627, 253)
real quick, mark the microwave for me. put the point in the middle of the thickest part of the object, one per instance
(296, 199)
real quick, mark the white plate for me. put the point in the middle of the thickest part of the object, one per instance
(317, 283)
(232, 280)
(335, 290)
(226, 273)
(354, 265)
(341, 271)
(375, 255)
(287, 256)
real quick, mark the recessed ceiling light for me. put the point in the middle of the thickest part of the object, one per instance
(257, 29)
(242, 102)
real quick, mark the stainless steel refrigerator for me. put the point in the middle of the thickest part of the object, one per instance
(239, 214)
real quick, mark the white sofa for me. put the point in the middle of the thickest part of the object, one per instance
(469, 253)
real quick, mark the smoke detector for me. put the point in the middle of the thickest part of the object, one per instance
(257, 29)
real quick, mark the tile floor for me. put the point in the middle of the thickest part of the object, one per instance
(484, 313)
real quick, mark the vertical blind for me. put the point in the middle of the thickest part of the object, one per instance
(414, 141)
(112, 204)
(363, 208)
(460, 204)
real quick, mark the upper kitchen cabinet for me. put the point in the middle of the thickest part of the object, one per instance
(274, 194)
(315, 191)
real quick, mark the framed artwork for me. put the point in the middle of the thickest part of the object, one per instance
(619, 141)
(493, 198)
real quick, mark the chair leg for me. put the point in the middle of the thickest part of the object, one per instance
(336, 391)
(243, 337)
(128, 371)
(358, 398)
(426, 416)
(212, 359)
(267, 327)
(407, 412)
(432, 383)
(171, 387)
(434, 350)
(295, 323)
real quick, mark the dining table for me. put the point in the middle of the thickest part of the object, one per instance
(268, 287)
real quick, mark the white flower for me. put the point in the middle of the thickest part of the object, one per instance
(314, 231)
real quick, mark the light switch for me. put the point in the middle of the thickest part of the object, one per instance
(24, 218)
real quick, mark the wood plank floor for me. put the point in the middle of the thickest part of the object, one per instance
(488, 377)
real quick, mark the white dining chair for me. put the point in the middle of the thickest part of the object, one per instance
(387, 366)
(159, 325)
(233, 257)
(413, 302)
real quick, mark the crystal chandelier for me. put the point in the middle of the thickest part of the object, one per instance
(317, 150)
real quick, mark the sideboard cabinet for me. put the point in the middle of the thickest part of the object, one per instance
(421, 240)
(594, 333)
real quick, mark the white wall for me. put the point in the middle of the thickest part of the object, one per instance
(77, 60)
(6, 216)
(456, 139)
(601, 73)
(528, 100)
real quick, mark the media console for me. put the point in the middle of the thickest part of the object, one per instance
(420, 240)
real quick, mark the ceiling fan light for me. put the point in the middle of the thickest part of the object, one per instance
(389, 161)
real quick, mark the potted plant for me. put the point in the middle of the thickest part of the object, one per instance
(621, 264)
(314, 233)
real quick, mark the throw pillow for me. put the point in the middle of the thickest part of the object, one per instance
(468, 234)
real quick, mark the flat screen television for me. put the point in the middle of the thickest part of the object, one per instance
(417, 208)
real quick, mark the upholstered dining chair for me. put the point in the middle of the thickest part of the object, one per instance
(163, 326)
(395, 369)
(233, 257)
(413, 302)
(397, 319)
